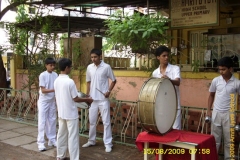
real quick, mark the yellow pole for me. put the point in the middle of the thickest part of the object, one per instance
(13, 71)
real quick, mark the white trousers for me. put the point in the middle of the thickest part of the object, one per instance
(68, 138)
(221, 125)
(104, 107)
(177, 123)
(46, 121)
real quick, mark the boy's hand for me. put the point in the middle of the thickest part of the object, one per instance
(89, 100)
(107, 94)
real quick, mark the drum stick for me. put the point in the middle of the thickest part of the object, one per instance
(100, 91)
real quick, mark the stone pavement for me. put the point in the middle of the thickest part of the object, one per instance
(25, 136)
(21, 135)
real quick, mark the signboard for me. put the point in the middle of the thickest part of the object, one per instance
(190, 13)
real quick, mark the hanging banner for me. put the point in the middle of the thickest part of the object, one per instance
(190, 13)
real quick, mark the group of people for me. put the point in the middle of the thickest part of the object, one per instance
(220, 97)
(63, 89)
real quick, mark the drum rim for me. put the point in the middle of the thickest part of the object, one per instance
(154, 127)
(144, 84)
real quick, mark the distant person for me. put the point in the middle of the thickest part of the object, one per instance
(171, 72)
(66, 96)
(47, 106)
(8, 80)
(97, 77)
(219, 98)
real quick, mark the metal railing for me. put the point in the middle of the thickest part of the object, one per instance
(19, 105)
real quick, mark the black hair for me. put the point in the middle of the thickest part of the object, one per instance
(161, 49)
(50, 60)
(225, 62)
(96, 51)
(63, 63)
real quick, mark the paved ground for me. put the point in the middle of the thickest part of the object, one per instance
(18, 142)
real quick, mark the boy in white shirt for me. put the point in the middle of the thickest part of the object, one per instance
(221, 89)
(97, 76)
(47, 106)
(172, 72)
(66, 96)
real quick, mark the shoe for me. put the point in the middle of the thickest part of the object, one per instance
(87, 145)
(50, 144)
(108, 149)
(62, 158)
(41, 147)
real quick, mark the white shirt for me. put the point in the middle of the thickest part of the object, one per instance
(7, 75)
(46, 80)
(173, 72)
(223, 90)
(98, 76)
(65, 91)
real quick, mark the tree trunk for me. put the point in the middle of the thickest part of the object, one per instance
(3, 80)
(2, 13)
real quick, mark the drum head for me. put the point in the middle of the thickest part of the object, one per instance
(165, 106)
(82, 105)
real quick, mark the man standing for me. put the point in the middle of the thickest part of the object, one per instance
(66, 96)
(97, 77)
(221, 89)
(171, 72)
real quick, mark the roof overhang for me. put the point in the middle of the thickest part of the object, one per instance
(77, 24)
(108, 3)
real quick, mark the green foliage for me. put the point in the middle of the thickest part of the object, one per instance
(62, 43)
(141, 33)
(79, 59)
(18, 1)
(48, 25)
(34, 54)
(195, 65)
(107, 46)
(77, 52)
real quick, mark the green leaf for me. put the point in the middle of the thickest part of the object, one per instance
(135, 31)
(153, 29)
(160, 31)
(141, 29)
(144, 34)
(165, 27)
(130, 33)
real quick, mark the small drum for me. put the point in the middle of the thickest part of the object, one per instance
(82, 105)
(157, 105)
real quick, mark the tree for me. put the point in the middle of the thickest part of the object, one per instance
(13, 4)
(143, 33)
(35, 45)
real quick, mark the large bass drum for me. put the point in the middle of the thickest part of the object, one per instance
(81, 105)
(157, 105)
